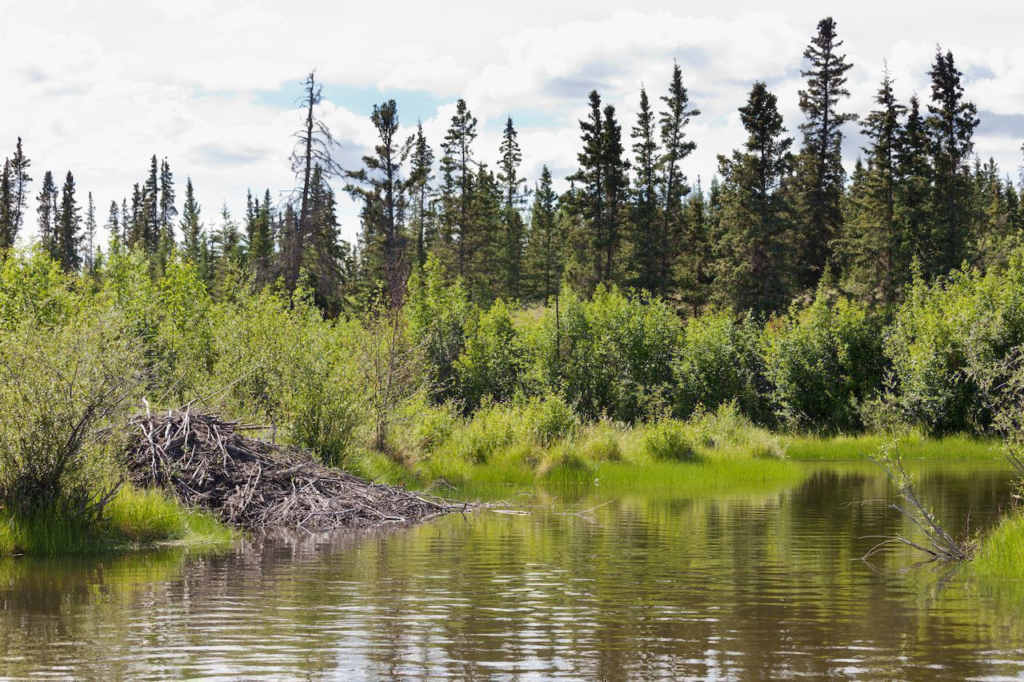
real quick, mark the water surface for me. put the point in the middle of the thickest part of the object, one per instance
(738, 586)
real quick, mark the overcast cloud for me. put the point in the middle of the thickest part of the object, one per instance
(99, 86)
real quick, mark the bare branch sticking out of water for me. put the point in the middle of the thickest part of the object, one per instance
(938, 544)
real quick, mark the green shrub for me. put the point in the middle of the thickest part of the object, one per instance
(948, 334)
(493, 359)
(668, 440)
(823, 363)
(58, 388)
(438, 313)
(719, 363)
(611, 355)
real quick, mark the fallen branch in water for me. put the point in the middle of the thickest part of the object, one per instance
(938, 544)
(204, 462)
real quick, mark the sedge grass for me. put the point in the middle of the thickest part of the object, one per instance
(849, 448)
(134, 519)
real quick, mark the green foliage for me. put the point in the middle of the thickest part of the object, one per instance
(493, 359)
(720, 362)
(59, 386)
(823, 362)
(611, 355)
(668, 441)
(438, 313)
(32, 287)
(947, 334)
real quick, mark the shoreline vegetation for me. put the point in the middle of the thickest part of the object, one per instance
(631, 330)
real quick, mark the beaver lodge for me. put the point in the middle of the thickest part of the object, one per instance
(205, 462)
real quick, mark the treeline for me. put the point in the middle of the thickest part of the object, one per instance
(780, 213)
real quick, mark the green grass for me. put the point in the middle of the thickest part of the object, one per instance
(134, 519)
(845, 448)
(1001, 553)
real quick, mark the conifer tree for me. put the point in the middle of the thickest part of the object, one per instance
(820, 165)
(588, 194)
(950, 125)
(616, 192)
(512, 219)
(6, 207)
(420, 175)
(113, 226)
(757, 236)
(19, 190)
(383, 189)
(326, 260)
(675, 149)
(875, 250)
(88, 257)
(150, 204)
(48, 213)
(694, 264)
(544, 244)
(644, 221)
(68, 238)
(456, 193)
(314, 147)
(194, 245)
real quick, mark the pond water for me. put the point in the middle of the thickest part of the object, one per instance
(764, 584)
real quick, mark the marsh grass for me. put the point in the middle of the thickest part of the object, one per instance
(850, 448)
(133, 519)
(1001, 553)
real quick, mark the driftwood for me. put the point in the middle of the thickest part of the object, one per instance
(205, 462)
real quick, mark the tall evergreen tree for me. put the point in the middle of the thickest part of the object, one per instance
(314, 147)
(875, 250)
(19, 190)
(420, 176)
(675, 149)
(150, 204)
(48, 213)
(195, 248)
(68, 237)
(820, 168)
(88, 258)
(644, 221)
(512, 219)
(694, 272)
(616, 192)
(757, 237)
(588, 195)
(326, 260)
(545, 241)
(381, 185)
(950, 124)
(113, 226)
(456, 193)
(6, 207)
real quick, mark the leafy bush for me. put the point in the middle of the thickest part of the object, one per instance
(668, 440)
(720, 363)
(58, 388)
(493, 359)
(823, 362)
(945, 336)
(611, 355)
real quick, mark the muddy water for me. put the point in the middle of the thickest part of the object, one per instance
(750, 585)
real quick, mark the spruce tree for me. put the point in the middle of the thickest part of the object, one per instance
(113, 226)
(644, 221)
(68, 240)
(150, 204)
(6, 207)
(48, 212)
(420, 174)
(950, 124)
(694, 272)
(587, 197)
(88, 258)
(875, 250)
(456, 193)
(512, 219)
(608, 237)
(19, 190)
(326, 260)
(194, 246)
(545, 241)
(675, 148)
(383, 189)
(757, 243)
(820, 165)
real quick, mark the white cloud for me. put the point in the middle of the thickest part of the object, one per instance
(100, 86)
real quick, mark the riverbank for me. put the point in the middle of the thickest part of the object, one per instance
(134, 520)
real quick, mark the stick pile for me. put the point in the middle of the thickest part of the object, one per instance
(205, 462)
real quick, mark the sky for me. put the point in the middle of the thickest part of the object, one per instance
(99, 86)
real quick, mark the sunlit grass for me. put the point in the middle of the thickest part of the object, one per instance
(134, 519)
(845, 448)
(1001, 553)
